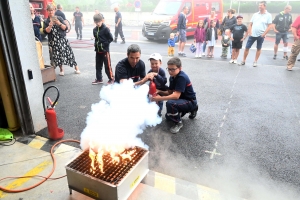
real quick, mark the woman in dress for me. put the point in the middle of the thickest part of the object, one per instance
(60, 51)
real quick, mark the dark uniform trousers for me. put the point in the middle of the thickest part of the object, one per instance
(100, 59)
(178, 108)
(118, 30)
(78, 25)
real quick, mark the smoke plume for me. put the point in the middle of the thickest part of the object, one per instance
(123, 112)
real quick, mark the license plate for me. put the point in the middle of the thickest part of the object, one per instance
(150, 33)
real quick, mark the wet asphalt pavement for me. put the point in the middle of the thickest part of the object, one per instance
(245, 138)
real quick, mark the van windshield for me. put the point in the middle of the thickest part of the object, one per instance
(167, 8)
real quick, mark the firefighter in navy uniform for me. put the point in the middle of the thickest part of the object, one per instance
(78, 18)
(132, 67)
(180, 97)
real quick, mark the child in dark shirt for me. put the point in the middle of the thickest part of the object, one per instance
(239, 32)
(158, 76)
(103, 38)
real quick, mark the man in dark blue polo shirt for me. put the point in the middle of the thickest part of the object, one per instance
(59, 12)
(118, 26)
(180, 97)
(79, 22)
(132, 67)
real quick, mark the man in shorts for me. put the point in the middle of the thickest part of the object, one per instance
(281, 26)
(239, 33)
(181, 27)
(260, 24)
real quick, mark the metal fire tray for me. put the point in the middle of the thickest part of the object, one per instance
(114, 184)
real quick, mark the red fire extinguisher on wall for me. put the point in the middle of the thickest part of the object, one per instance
(54, 132)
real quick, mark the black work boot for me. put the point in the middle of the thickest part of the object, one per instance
(123, 41)
(193, 113)
(115, 40)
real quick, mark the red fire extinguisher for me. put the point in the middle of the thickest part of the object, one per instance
(152, 89)
(54, 132)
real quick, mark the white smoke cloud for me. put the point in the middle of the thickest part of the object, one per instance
(122, 114)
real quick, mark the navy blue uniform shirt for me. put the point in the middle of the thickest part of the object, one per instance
(61, 14)
(160, 80)
(118, 15)
(125, 71)
(182, 83)
(36, 26)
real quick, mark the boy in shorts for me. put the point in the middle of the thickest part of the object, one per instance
(239, 32)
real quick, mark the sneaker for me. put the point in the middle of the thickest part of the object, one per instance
(77, 72)
(231, 61)
(203, 55)
(274, 57)
(61, 73)
(196, 56)
(115, 40)
(96, 82)
(255, 64)
(183, 54)
(285, 57)
(110, 82)
(179, 53)
(175, 129)
(234, 61)
(193, 114)
(289, 69)
(298, 60)
(242, 63)
(123, 42)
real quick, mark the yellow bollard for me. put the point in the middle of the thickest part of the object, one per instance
(9, 107)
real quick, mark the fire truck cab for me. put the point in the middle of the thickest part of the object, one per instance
(163, 19)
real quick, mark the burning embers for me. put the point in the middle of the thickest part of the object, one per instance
(109, 164)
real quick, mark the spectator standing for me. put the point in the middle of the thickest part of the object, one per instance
(259, 26)
(226, 40)
(181, 28)
(239, 33)
(118, 26)
(296, 46)
(207, 25)
(180, 97)
(171, 43)
(132, 67)
(59, 45)
(158, 76)
(103, 38)
(59, 12)
(227, 23)
(199, 35)
(79, 22)
(36, 22)
(281, 26)
(211, 39)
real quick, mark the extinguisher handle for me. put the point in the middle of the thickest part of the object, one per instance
(57, 97)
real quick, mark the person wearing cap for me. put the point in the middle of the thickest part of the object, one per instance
(281, 26)
(239, 33)
(260, 24)
(132, 67)
(180, 96)
(158, 75)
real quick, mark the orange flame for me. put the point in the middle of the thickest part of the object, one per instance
(116, 153)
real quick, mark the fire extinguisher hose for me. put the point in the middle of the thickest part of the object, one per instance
(57, 97)
(44, 177)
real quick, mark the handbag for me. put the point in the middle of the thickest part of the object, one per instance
(193, 48)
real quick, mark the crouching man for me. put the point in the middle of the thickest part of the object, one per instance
(180, 97)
